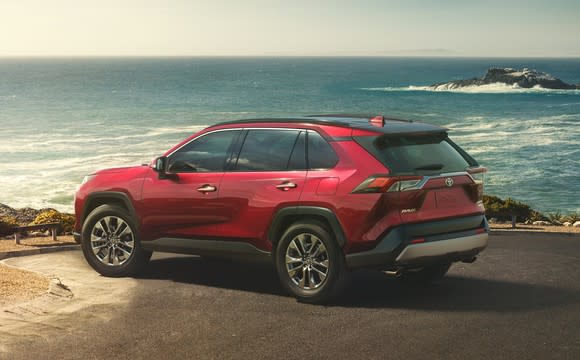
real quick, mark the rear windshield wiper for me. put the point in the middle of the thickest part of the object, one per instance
(430, 167)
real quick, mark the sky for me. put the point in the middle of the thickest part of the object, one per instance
(490, 28)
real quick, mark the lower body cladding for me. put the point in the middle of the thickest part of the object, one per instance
(417, 245)
(235, 250)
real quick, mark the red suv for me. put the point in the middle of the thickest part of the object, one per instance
(317, 196)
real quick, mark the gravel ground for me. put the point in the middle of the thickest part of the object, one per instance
(19, 285)
(549, 228)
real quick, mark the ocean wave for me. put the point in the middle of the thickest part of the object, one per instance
(496, 88)
(151, 138)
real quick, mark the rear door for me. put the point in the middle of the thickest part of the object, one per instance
(435, 182)
(269, 173)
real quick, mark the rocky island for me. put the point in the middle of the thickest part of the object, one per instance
(525, 78)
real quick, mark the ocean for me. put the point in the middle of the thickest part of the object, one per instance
(61, 119)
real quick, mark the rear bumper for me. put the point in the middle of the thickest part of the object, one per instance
(425, 243)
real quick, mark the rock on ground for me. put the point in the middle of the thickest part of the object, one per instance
(541, 223)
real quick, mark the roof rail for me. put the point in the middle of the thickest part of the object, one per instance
(358, 116)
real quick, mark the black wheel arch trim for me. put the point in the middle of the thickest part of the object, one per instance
(117, 195)
(323, 212)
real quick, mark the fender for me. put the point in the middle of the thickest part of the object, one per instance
(117, 195)
(327, 214)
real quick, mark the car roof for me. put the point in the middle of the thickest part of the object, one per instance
(363, 122)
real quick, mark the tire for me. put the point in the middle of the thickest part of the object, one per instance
(427, 275)
(117, 255)
(316, 271)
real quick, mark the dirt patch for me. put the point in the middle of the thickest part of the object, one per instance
(18, 285)
(34, 242)
(547, 228)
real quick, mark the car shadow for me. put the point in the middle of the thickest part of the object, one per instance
(259, 278)
(454, 293)
(372, 289)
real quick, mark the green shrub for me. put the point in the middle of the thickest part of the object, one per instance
(572, 217)
(66, 221)
(7, 223)
(556, 218)
(505, 209)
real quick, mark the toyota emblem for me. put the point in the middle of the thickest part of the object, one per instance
(449, 182)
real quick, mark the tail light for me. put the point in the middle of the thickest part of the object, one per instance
(478, 176)
(384, 184)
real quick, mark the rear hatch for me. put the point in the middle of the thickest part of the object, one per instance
(431, 177)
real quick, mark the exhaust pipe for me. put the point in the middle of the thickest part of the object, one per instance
(394, 273)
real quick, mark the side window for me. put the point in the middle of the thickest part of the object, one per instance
(320, 153)
(298, 157)
(205, 154)
(266, 150)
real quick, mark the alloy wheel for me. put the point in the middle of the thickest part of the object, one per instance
(307, 261)
(112, 240)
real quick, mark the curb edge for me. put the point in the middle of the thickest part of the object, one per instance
(37, 251)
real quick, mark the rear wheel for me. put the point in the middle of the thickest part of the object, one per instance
(310, 264)
(110, 242)
(426, 275)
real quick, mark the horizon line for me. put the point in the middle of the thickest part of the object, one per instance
(86, 56)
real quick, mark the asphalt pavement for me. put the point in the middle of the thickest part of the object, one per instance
(520, 300)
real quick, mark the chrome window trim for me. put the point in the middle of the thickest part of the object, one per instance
(199, 137)
(298, 129)
(231, 129)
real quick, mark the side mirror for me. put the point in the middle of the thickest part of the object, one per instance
(161, 166)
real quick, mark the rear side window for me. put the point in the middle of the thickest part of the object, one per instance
(417, 154)
(320, 153)
(267, 150)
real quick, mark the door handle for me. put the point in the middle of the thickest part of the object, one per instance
(286, 186)
(207, 188)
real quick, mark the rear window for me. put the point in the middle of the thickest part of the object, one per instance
(417, 154)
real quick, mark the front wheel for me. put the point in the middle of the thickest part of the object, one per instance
(110, 242)
(310, 264)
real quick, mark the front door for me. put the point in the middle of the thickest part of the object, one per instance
(185, 204)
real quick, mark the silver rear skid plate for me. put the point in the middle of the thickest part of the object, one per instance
(443, 247)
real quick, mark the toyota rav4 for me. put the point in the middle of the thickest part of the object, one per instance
(316, 196)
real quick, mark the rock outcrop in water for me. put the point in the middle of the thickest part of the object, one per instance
(518, 78)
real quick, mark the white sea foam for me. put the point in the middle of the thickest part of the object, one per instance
(496, 88)
(50, 179)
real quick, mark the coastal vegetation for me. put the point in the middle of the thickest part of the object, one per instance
(7, 224)
(505, 210)
(66, 221)
(11, 218)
